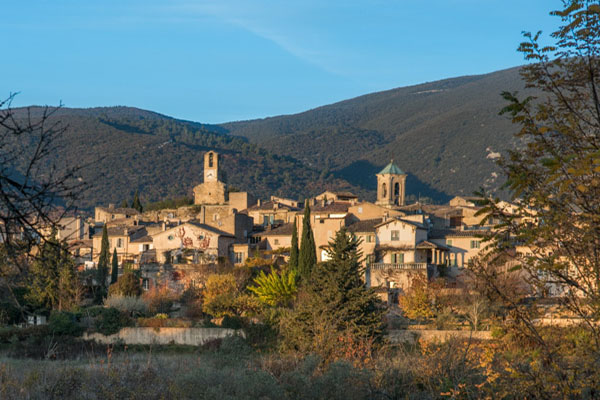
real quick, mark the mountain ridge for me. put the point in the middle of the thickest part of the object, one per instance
(446, 134)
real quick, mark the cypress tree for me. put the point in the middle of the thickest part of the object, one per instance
(136, 202)
(114, 273)
(124, 204)
(293, 264)
(102, 270)
(307, 257)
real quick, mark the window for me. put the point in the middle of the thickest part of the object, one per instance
(210, 160)
(120, 243)
(145, 283)
(369, 238)
(396, 189)
(383, 190)
(397, 258)
(146, 247)
(170, 237)
(265, 220)
(238, 257)
(395, 235)
(275, 241)
(449, 242)
(475, 244)
(370, 259)
(321, 221)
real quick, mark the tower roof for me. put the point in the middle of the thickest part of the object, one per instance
(391, 168)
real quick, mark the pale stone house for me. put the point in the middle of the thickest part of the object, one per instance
(122, 238)
(107, 214)
(193, 242)
(272, 212)
(278, 238)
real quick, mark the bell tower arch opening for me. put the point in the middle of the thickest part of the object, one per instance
(391, 181)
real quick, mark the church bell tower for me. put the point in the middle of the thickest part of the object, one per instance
(211, 167)
(391, 185)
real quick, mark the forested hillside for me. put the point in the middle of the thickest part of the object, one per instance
(124, 149)
(445, 134)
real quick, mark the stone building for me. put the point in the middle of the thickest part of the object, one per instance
(212, 190)
(391, 186)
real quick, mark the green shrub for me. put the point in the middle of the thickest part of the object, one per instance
(131, 305)
(158, 322)
(111, 321)
(232, 322)
(64, 323)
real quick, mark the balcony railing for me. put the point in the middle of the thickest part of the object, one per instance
(405, 266)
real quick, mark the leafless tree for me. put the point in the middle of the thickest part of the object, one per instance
(36, 187)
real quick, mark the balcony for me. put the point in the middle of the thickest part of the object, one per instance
(402, 266)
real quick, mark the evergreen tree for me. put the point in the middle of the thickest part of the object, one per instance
(102, 270)
(293, 264)
(53, 280)
(136, 202)
(307, 257)
(124, 204)
(114, 272)
(335, 310)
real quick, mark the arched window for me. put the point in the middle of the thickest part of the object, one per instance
(210, 160)
(397, 190)
(383, 190)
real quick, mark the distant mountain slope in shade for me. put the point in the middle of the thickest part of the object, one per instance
(125, 149)
(444, 134)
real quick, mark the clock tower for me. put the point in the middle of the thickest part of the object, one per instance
(212, 191)
(211, 167)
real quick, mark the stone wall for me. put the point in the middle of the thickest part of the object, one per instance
(185, 336)
(413, 336)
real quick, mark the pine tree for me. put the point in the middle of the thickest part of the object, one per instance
(114, 272)
(136, 202)
(102, 270)
(335, 309)
(293, 263)
(307, 257)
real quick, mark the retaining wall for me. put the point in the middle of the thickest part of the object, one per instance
(185, 336)
(413, 336)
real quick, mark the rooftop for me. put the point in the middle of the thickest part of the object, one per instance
(391, 168)
(282, 230)
(367, 225)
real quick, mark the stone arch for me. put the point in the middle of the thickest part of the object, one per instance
(397, 190)
(383, 190)
(210, 159)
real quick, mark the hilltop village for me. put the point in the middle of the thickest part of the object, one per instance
(397, 240)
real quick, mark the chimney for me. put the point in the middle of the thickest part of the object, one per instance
(163, 226)
(323, 202)
(258, 202)
(125, 231)
(111, 206)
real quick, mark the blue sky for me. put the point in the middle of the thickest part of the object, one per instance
(224, 60)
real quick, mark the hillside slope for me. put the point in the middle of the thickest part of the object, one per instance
(125, 149)
(444, 134)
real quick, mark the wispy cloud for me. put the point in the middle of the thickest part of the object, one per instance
(282, 23)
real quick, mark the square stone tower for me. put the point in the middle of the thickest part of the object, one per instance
(212, 191)
(391, 186)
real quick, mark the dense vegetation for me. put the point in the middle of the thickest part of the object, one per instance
(125, 149)
(425, 128)
(441, 133)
